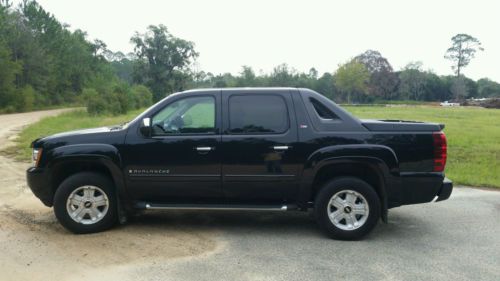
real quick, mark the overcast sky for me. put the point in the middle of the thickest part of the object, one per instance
(304, 34)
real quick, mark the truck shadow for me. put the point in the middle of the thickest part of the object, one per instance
(401, 226)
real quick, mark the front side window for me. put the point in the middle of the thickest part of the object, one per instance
(257, 114)
(193, 115)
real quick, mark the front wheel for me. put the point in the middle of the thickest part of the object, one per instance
(347, 208)
(86, 203)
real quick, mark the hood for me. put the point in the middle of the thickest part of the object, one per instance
(80, 132)
(93, 135)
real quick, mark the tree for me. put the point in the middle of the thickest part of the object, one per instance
(313, 73)
(488, 88)
(462, 50)
(352, 78)
(8, 71)
(123, 68)
(282, 76)
(436, 88)
(383, 81)
(159, 56)
(459, 88)
(247, 77)
(326, 86)
(412, 84)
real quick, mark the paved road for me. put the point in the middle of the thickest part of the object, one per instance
(458, 239)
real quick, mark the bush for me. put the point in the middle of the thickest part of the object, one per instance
(116, 99)
(122, 94)
(142, 96)
(96, 104)
(25, 99)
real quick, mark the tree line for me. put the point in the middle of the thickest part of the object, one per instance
(43, 63)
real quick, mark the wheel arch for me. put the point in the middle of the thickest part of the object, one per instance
(375, 164)
(363, 169)
(99, 158)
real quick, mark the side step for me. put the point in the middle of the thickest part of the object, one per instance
(223, 207)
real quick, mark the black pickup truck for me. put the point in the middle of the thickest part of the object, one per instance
(270, 149)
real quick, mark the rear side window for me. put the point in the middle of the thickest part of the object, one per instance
(257, 114)
(322, 110)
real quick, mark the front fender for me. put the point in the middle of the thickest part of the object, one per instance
(84, 150)
(103, 154)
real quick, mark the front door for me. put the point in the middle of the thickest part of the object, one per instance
(181, 161)
(260, 163)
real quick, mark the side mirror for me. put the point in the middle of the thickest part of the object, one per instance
(145, 128)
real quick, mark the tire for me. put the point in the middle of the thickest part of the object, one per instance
(86, 203)
(347, 208)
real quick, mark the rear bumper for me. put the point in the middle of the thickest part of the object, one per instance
(39, 185)
(445, 191)
(416, 188)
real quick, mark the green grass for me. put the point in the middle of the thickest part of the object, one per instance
(473, 136)
(65, 122)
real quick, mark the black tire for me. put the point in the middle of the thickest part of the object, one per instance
(336, 186)
(74, 182)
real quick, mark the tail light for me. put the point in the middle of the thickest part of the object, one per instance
(440, 149)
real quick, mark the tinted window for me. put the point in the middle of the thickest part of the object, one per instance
(257, 114)
(186, 116)
(322, 110)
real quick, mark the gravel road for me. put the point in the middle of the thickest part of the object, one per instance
(458, 239)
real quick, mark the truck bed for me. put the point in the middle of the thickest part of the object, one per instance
(400, 126)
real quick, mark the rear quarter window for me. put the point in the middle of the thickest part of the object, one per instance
(322, 111)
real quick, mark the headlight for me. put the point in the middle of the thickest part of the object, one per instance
(37, 153)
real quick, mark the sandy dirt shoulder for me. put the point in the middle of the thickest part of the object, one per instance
(33, 246)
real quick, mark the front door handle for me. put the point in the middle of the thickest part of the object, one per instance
(281, 147)
(204, 148)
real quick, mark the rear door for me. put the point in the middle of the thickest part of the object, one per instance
(260, 163)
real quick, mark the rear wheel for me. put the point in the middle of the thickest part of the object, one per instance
(347, 208)
(86, 203)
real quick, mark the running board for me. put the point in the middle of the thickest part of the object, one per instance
(276, 208)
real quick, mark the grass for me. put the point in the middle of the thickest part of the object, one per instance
(473, 135)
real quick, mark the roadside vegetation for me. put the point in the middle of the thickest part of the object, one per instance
(45, 63)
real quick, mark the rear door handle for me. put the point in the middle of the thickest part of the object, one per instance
(281, 147)
(204, 148)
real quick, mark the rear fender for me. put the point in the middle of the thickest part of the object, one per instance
(379, 158)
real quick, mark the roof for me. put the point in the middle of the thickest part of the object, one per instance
(242, 89)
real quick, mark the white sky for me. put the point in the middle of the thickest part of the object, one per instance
(304, 34)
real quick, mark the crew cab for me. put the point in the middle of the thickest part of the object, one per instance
(255, 149)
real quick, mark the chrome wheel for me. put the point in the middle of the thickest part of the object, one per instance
(87, 204)
(348, 210)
